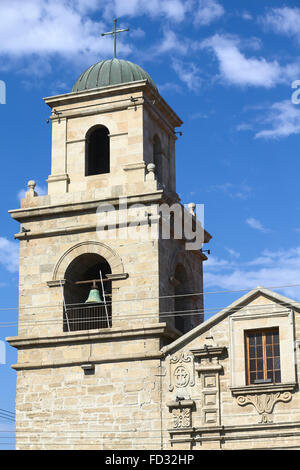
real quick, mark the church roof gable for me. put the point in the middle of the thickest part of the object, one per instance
(230, 310)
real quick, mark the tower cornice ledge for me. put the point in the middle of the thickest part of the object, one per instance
(100, 360)
(154, 330)
(90, 205)
(84, 97)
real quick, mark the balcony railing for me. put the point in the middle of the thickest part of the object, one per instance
(86, 317)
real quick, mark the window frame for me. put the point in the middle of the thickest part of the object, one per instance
(260, 318)
(263, 332)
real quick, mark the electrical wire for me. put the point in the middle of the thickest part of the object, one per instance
(8, 412)
(155, 298)
(142, 316)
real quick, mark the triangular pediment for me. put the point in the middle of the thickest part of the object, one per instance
(255, 301)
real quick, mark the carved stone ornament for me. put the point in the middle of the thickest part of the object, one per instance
(182, 371)
(264, 403)
(181, 418)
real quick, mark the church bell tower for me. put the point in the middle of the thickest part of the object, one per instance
(95, 302)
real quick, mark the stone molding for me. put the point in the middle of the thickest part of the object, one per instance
(181, 404)
(107, 334)
(226, 434)
(100, 360)
(131, 87)
(209, 370)
(41, 211)
(135, 166)
(263, 388)
(55, 178)
(113, 259)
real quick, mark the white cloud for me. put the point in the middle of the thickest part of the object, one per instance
(170, 87)
(36, 32)
(198, 115)
(137, 33)
(256, 224)
(188, 73)
(246, 16)
(237, 69)
(233, 253)
(9, 255)
(171, 43)
(244, 126)
(202, 12)
(174, 10)
(284, 21)
(280, 268)
(46, 28)
(283, 119)
(207, 12)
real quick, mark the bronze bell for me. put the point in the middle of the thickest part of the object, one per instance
(94, 296)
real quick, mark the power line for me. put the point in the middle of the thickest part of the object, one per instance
(7, 418)
(8, 412)
(142, 316)
(156, 297)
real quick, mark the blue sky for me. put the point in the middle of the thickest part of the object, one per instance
(226, 68)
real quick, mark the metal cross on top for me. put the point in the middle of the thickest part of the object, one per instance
(115, 32)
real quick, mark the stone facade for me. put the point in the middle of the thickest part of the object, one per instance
(109, 376)
(120, 390)
(138, 382)
(224, 412)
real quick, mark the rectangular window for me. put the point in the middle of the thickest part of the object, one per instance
(262, 356)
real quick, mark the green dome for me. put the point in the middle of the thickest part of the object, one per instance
(111, 72)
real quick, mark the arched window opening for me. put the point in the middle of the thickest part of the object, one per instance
(80, 288)
(97, 158)
(157, 158)
(182, 301)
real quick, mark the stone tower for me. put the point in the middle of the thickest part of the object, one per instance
(96, 366)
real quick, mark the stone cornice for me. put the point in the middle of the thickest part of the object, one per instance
(100, 360)
(209, 352)
(44, 211)
(180, 404)
(237, 433)
(262, 388)
(109, 334)
(86, 96)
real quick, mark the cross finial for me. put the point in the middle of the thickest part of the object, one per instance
(115, 32)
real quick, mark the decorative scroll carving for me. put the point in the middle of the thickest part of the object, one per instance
(264, 403)
(181, 418)
(183, 374)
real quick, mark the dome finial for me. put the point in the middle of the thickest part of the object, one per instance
(115, 32)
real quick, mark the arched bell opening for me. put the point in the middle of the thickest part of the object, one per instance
(97, 151)
(183, 301)
(87, 299)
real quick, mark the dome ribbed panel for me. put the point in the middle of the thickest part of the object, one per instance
(93, 76)
(111, 72)
(115, 72)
